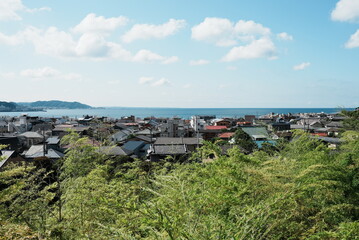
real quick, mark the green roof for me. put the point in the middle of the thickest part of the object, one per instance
(256, 131)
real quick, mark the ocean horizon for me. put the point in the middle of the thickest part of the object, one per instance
(185, 113)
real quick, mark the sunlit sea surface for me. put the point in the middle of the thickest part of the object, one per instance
(186, 113)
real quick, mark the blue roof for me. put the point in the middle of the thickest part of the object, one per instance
(133, 145)
(259, 143)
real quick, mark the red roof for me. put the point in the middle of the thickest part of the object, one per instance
(215, 127)
(320, 134)
(226, 135)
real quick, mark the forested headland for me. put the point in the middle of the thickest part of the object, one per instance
(298, 190)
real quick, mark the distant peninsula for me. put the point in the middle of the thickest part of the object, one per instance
(55, 104)
(40, 106)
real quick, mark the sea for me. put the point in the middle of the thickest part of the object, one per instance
(185, 113)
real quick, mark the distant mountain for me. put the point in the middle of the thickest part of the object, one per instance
(56, 104)
(7, 106)
(14, 107)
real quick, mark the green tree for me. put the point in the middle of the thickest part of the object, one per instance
(244, 140)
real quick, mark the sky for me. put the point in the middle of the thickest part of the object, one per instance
(184, 53)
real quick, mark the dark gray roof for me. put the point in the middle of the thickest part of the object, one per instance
(147, 132)
(36, 151)
(330, 140)
(335, 124)
(177, 141)
(114, 151)
(64, 128)
(53, 140)
(133, 145)
(144, 138)
(169, 149)
(31, 135)
(42, 127)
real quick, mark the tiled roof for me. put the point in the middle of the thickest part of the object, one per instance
(215, 127)
(114, 151)
(169, 149)
(36, 151)
(226, 135)
(177, 141)
(256, 131)
(53, 140)
(133, 145)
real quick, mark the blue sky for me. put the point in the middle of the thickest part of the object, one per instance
(156, 53)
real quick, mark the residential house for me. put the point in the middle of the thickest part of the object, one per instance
(226, 135)
(139, 148)
(175, 147)
(211, 131)
(279, 125)
(40, 151)
(62, 130)
(222, 122)
(11, 141)
(120, 135)
(31, 138)
(114, 151)
(249, 118)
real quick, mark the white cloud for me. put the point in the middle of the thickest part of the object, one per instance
(161, 82)
(34, 10)
(12, 40)
(9, 9)
(250, 28)
(148, 56)
(145, 80)
(8, 75)
(346, 11)
(353, 42)
(48, 73)
(56, 43)
(154, 83)
(284, 36)
(91, 45)
(45, 72)
(99, 24)
(51, 42)
(301, 66)
(223, 32)
(198, 62)
(170, 60)
(188, 85)
(148, 31)
(261, 48)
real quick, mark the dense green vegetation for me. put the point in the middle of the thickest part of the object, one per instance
(352, 121)
(303, 191)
